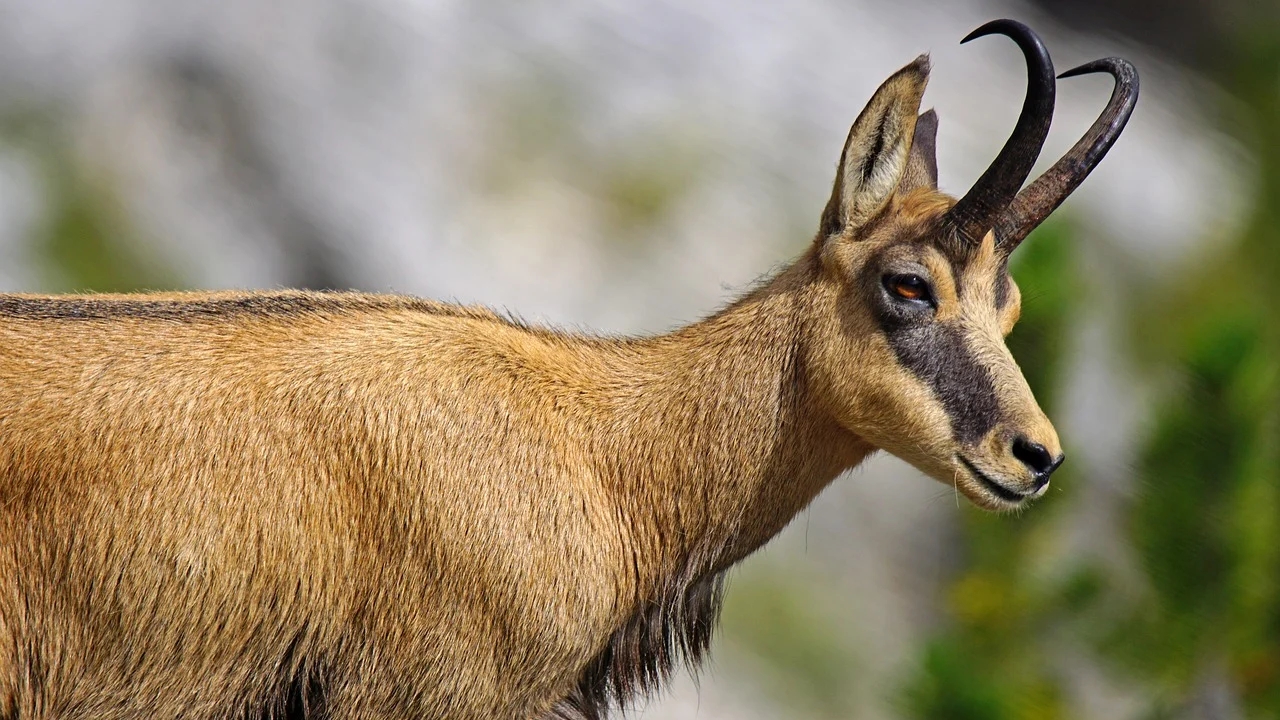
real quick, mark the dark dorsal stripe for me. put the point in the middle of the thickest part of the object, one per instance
(88, 307)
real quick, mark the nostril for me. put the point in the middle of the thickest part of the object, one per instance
(1035, 456)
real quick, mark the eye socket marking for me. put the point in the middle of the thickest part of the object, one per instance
(909, 287)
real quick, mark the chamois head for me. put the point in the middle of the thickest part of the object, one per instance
(921, 290)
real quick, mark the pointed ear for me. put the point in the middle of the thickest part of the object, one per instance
(875, 155)
(922, 161)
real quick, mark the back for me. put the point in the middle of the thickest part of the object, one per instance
(234, 486)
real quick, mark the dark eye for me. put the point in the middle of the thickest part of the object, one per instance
(908, 287)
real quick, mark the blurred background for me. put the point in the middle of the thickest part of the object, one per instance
(629, 167)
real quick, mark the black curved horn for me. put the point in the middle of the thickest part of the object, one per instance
(1043, 196)
(977, 212)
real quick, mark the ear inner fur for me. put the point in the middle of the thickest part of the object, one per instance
(876, 152)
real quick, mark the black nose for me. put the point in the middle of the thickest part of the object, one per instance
(1036, 458)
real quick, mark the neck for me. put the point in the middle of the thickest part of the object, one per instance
(716, 445)
(727, 444)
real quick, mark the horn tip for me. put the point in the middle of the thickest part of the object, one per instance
(993, 27)
(1115, 66)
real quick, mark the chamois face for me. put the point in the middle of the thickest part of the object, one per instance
(913, 359)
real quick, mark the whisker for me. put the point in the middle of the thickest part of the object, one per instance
(955, 484)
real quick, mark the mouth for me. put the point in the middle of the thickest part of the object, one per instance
(991, 486)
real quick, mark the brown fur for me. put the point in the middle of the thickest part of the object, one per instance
(251, 505)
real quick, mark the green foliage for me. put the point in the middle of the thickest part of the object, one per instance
(952, 685)
(1206, 518)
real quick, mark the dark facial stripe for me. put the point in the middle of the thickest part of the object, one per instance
(937, 354)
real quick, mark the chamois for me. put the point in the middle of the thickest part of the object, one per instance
(353, 506)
